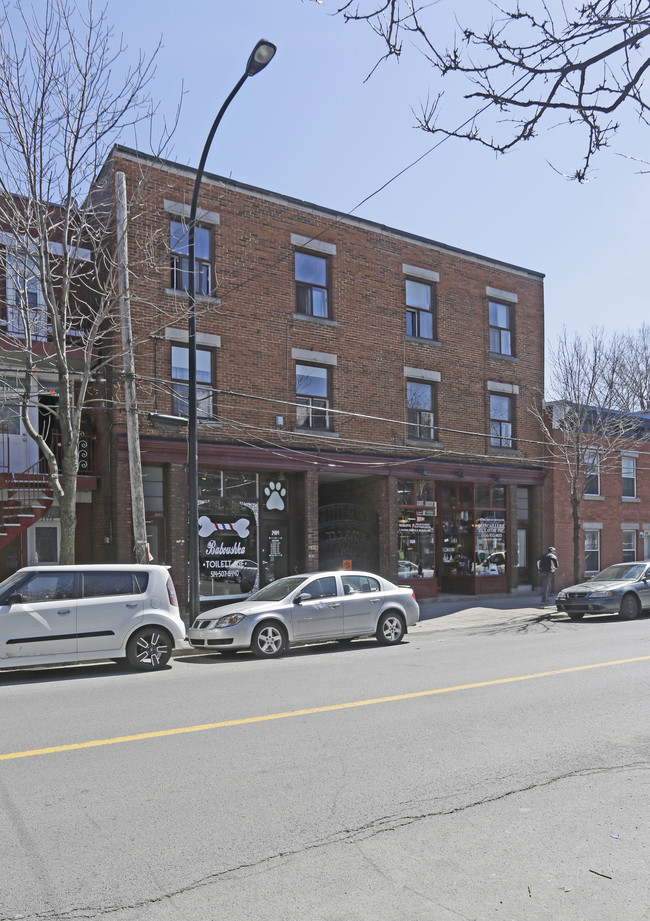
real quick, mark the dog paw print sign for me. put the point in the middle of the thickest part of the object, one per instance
(275, 496)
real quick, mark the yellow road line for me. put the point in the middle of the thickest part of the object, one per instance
(203, 727)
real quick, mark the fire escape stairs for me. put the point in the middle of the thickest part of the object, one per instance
(24, 499)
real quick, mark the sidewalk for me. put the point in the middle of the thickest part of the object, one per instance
(449, 611)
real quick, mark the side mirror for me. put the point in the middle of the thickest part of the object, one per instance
(303, 596)
(15, 598)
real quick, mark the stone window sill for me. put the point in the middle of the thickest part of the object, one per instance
(323, 320)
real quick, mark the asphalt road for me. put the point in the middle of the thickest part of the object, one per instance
(495, 765)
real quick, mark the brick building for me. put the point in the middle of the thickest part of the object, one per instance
(614, 514)
(363, 395)
(29, 517)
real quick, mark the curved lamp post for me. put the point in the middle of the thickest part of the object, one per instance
(260, 57)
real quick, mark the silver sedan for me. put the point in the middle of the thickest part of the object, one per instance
(308, 608)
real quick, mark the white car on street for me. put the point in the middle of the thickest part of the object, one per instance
(54, 615)
(308, 608)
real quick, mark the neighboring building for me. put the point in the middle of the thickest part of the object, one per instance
(615, 509)
(29, 524)
(364, 395)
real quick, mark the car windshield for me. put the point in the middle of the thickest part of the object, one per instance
(276, 591)
(631, 572)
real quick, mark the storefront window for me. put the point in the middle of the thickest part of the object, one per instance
(415, 529)
(457, 530)
(473, 530)
(228, 534)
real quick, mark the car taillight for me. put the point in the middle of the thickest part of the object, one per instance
(171, 594)
(413, 596)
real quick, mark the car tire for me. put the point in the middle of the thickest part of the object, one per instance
(630, 607)
(390, 629)
(149, 649)
(576, 615)
(269, 641)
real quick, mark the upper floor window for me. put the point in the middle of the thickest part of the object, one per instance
(26, 313)
(420, 303)
(420, 410)
(181, 376)
(500, 316)
(501, 420)
(592, 474)
(312, 396)
(311, 275)
(628, 470)
(179, 247)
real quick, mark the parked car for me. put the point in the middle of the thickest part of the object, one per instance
(622, 589)
(63, 614)
(308, 608)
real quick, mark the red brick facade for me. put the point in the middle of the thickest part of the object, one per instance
(310, 492)
(614, 514)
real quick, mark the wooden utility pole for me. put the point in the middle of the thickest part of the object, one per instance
(132, 427)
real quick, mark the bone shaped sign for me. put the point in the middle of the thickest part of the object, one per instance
(207, 527)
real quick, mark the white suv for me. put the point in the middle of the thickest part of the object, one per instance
(62, 614)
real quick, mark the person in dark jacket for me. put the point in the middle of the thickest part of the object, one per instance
(547, 564)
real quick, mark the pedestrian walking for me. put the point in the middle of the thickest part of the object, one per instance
(547, 564)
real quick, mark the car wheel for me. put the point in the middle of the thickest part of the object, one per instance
(576, 615)
(390, 629)
(630, 607)
(149, 648)
(269, 640)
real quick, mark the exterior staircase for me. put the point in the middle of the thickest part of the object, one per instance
(24, 499)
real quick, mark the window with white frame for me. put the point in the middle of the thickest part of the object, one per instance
(420, 396)
(592, 474)
(180, 381)
(500, 319)
(311, 276)
(312, 396)
(26, 313)
(179, 249)
(592, 550)
(501, 420)
(420, 309)
(629, 546)
(628, 472)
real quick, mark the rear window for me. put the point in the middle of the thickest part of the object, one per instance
(354, 584)
(104, 584)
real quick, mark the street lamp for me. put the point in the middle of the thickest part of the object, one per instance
(259, 58)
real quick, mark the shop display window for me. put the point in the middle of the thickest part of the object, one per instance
(473, 530)
(228, 533)
(416, 529)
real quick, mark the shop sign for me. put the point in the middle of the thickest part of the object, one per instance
(228, 545)
(490, 527)
(416, 523)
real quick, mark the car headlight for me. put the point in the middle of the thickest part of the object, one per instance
(601, 594)
(229, 620)
(560, 596)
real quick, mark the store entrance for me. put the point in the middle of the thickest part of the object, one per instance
(472, 538)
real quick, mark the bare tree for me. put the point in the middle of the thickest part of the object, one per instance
(65, 94)
(628, 369)
(583, 63)
(584, 430)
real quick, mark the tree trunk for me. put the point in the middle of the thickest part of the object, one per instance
(575, 511)
(68, 505)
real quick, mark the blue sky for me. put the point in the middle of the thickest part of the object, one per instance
(311, 126)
